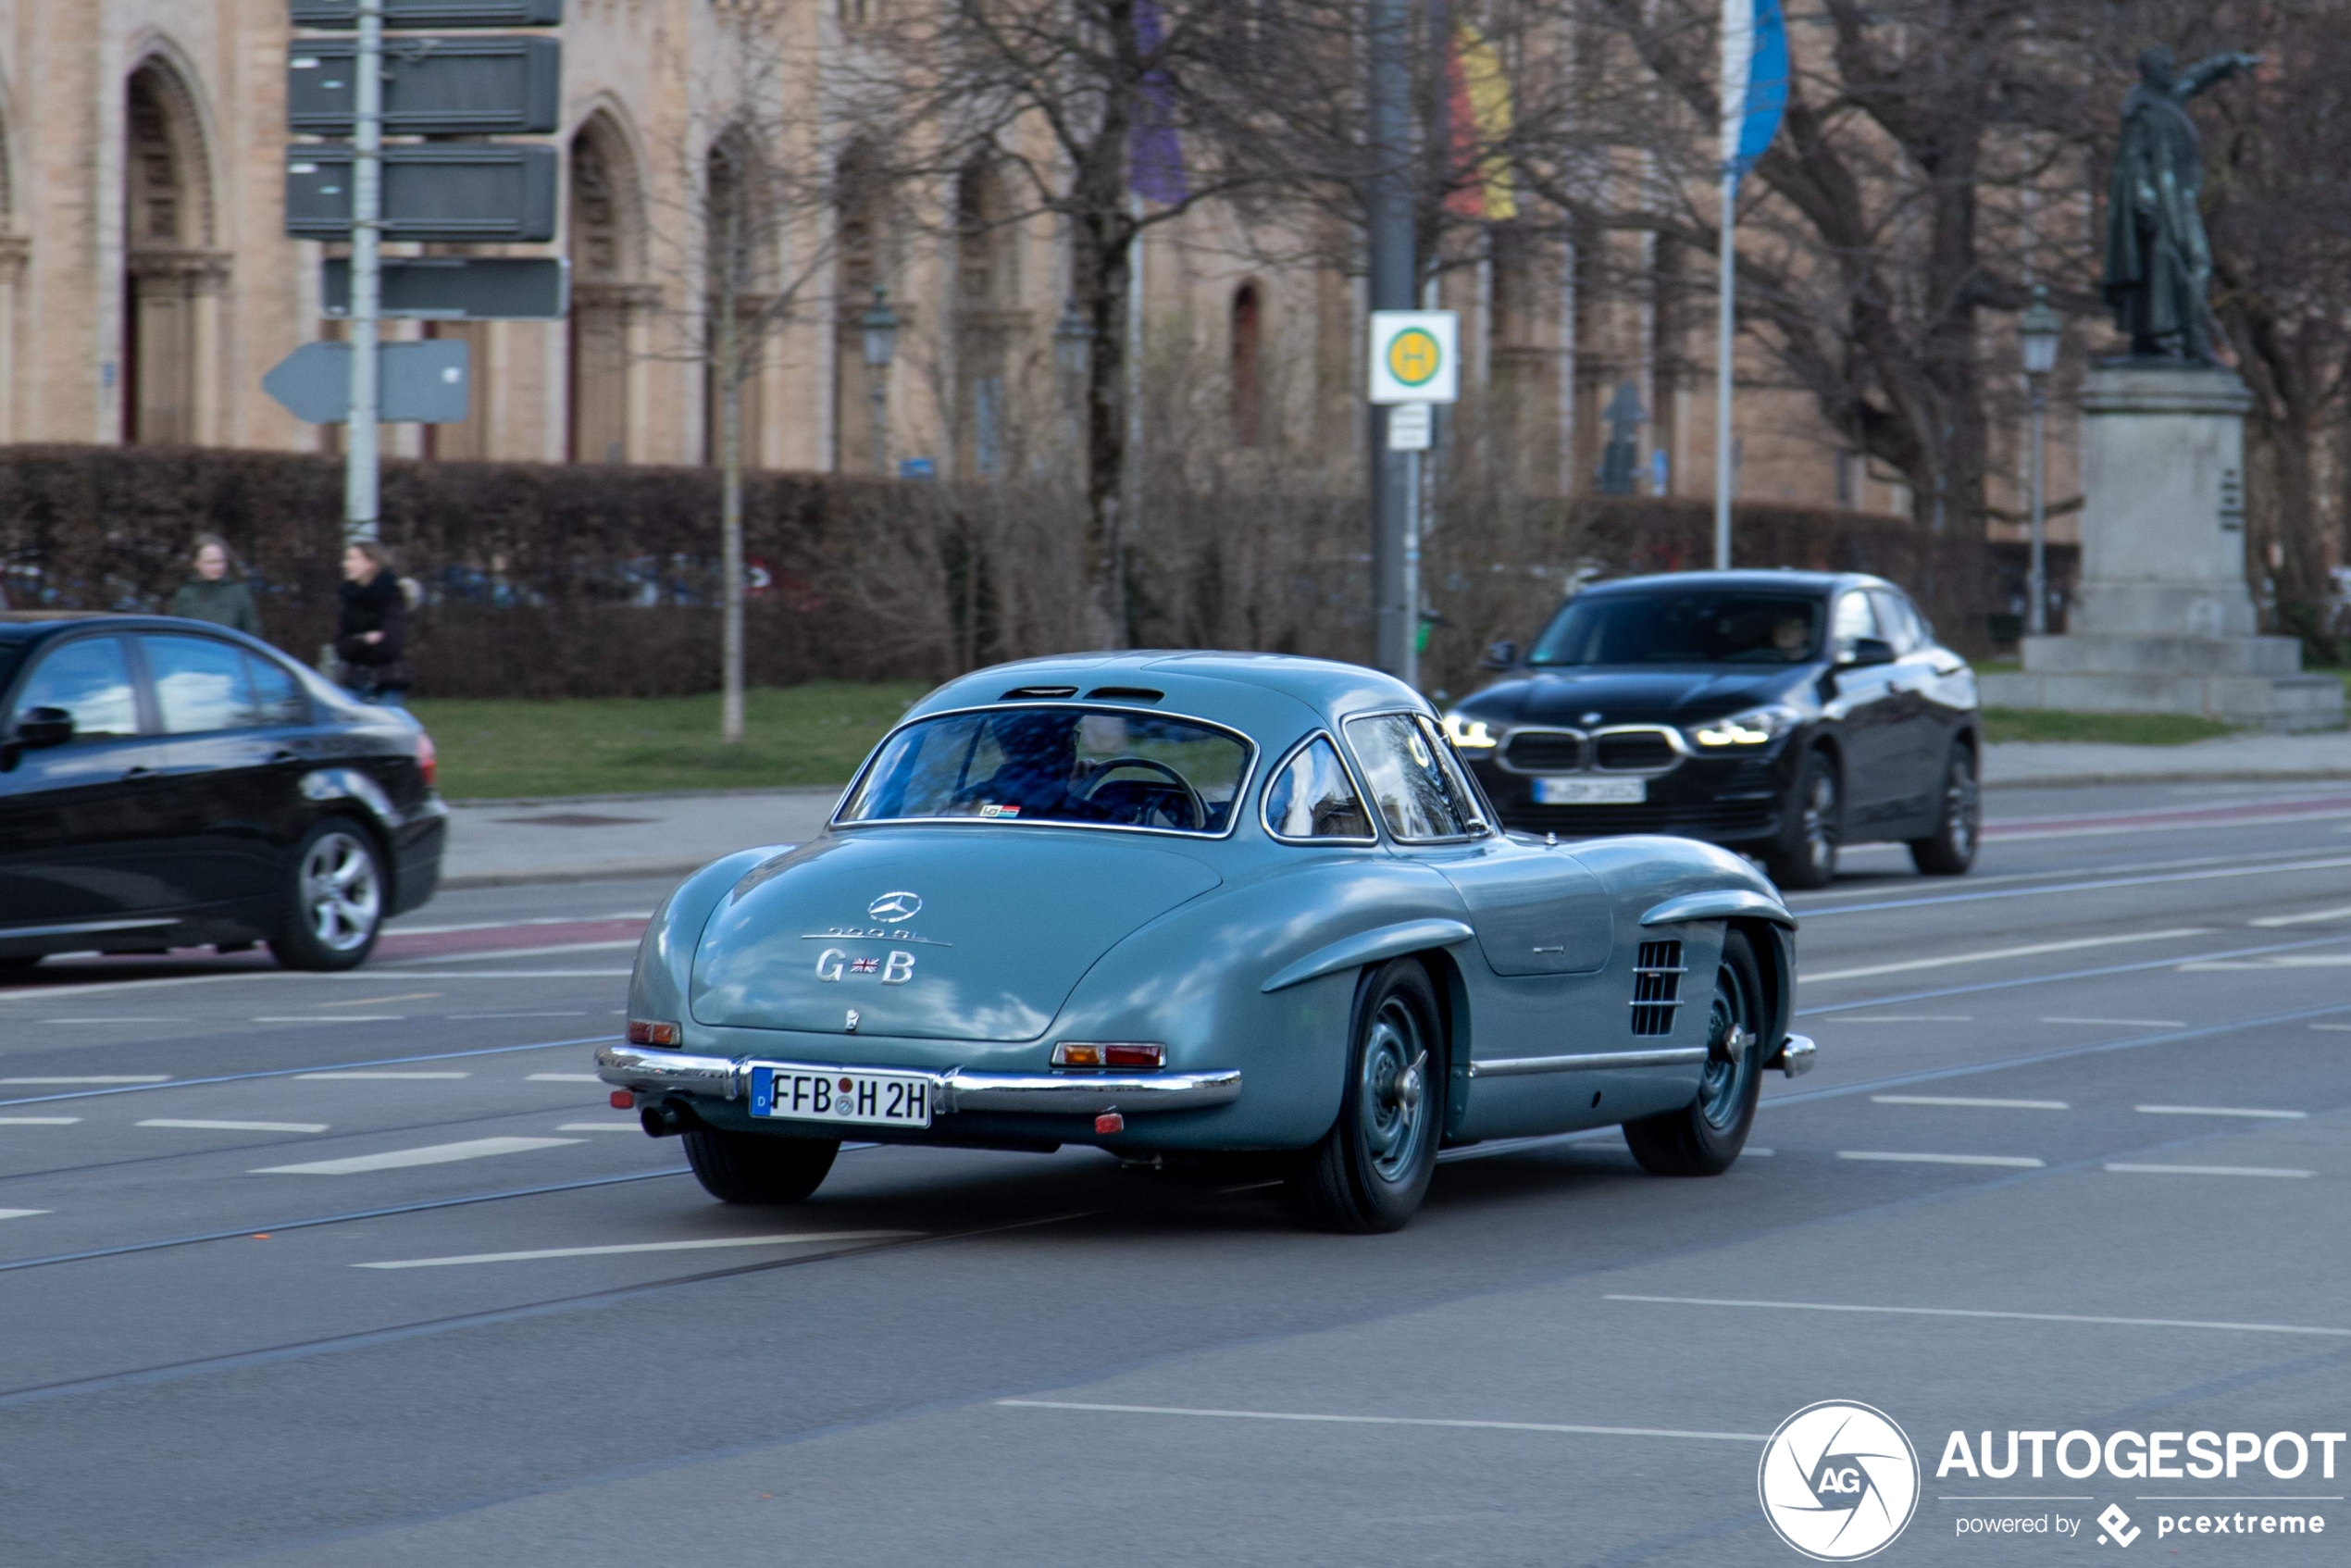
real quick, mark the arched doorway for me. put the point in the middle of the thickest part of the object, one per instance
(608, 296)
(172, 277)
(1249, 372)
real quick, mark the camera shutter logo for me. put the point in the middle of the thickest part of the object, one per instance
(1839, 1481)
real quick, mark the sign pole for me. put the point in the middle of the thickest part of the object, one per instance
(362, 459)
(1392, 280)
(1725, 474)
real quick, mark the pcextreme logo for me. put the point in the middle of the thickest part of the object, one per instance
(1839, 1481)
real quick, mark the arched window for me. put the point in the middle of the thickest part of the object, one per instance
(1249, 387)
(172, 278)
(988, 303)
(606, 244)
(862, 259)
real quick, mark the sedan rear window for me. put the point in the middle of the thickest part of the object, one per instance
(1691, 626)
(1068, 766)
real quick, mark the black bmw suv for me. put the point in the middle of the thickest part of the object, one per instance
(1781, 713)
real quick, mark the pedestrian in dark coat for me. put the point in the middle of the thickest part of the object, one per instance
(371, 637)
(211, 594)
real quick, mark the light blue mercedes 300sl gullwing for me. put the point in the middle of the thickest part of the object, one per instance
(1201, 905)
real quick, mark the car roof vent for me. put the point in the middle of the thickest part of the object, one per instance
(1021, 693)
(1124, 694)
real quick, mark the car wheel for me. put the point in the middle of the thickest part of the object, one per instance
(1704, 1137)
(1806, 853)
(1950, 850)
(1372, 1169)
(335, 908)
(750, 1167)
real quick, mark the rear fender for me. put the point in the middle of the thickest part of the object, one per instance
(663, 975)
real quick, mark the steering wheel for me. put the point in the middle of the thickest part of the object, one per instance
(1198, 807)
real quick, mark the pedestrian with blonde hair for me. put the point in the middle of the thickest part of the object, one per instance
(371, 634)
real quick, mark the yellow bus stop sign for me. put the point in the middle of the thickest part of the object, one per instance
(1413, 356)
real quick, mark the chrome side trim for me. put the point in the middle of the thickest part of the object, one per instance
(1371, 947)
(1595, 1062)
(658, 1071)
(629, 1066)
(1720, 903)
(1796, 1057)
(86, 927)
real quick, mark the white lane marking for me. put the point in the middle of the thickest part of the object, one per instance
(338, 1077)
(379, 1000)
(1904, 1018)
(115, 1078)
(20, 1214)
(1991, 954)
(2314, 916)
(564, 1078)
(2276, 961)
(602, 1127)
(333, 1017)
(2234, 870)
(2013, 1317)
(580, 1014)
(1388, 1421)
(812, 1236)
(38, 1121)
(1970, 1101)
(2018, 1161)
(2124, 1023)
(433, 1154)
(397, 930)
(2338, 1029)
(232, 1126)
(555, 951)
(2208, 1170)
(2219, 1110)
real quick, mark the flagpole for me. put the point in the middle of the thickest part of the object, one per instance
(1725, 470)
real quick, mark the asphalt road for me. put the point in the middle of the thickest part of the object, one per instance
(364, 1270)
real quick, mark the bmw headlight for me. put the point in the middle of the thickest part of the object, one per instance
(1470, 734)
(1756, 727)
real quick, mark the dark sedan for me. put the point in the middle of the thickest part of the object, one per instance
(1782, 713)
(166, 784)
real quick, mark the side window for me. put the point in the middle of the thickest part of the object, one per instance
(90, 680)
(200, 684)
(1854, 618)
(277, 694)
(1901, 625)
(1313, 798)
(1408, 783)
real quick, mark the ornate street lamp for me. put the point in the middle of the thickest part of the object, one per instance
(2038, 330)
(880, 328)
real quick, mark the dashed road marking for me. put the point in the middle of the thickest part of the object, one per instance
(2208, 1170)
(196, 1125)
(2219, 1110)
(2017, 1161)
(123, 1020)
(1319, 1418)
(20, 1214)
(334, 1077)
(334, 1017)
(433, 1154)
(2124, 1023)
(1970, 1101)
(2309, 918)
(810, 1238)
(38, 1121)
(2003, 1316)
(580, 1013)
(1988, 955)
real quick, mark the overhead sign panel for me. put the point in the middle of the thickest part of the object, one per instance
(1415, 357)
(481, 194)
(418, 383)
(449, 288)
(345, 14)
(432, 87)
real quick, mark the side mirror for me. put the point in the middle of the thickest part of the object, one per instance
(1869, 651)
(1501, 655)
(39, 728)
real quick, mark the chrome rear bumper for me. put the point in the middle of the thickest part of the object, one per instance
(655, 1070)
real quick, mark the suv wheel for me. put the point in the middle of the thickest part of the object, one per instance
(1805, 856)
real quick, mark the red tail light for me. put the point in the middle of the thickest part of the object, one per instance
(427, 759)
(648, 1031)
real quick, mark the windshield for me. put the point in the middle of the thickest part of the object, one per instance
(1691, 626)
(1061, 764)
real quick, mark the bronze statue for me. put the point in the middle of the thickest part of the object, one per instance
(2158, 264)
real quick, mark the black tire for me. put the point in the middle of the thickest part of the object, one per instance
(750, 1167)
(334, 896)
(1372, 1169)
(1805, 853)
(1950, 851)
(1704, 1137)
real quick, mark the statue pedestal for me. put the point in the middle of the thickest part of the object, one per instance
(2163, 620)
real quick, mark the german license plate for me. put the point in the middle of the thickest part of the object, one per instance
(1591, 791)
(808, 1094)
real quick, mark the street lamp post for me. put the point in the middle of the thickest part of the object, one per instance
(2038, 330)
(1073, 355)
(880, 328)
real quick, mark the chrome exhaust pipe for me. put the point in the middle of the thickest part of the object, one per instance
(663, 1120)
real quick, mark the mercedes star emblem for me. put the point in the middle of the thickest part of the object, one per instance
(895, 907)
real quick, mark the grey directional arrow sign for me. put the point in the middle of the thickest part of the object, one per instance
(420, 383)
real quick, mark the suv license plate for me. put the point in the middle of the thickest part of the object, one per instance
(895, 1099)
(1590, 792)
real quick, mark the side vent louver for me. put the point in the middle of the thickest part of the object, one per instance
(1656, 988)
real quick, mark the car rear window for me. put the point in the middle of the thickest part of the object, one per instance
(1688, 627)
(1070, 766)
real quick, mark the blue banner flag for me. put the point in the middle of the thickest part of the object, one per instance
(1154, 152)
(1755, 81)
